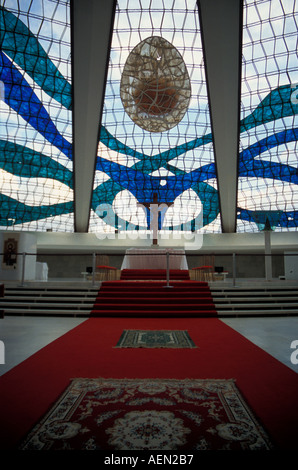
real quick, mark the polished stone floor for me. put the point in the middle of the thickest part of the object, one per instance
(23, 336)
(274, 335)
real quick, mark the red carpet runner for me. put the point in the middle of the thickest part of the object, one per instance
(269, 387)
(154, 299)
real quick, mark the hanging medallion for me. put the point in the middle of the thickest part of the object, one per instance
(155, 87)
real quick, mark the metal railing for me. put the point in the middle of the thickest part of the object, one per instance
(232, 258)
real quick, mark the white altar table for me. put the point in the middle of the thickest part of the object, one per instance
(154, 258)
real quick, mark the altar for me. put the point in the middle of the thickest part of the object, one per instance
(154, 258)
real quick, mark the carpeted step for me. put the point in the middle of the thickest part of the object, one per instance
(154, 289)
(144, 306)
(152, 271)
(155, 285)
(141, 282)
(155, 292)
(160, 313)
(154, 278)
(153, 274)
(157, 299)
(158, 292)
(149, 285)
(161, 275)
(152, 298)
(152, 294)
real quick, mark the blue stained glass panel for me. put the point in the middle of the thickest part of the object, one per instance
(268, 174)
(36, 118)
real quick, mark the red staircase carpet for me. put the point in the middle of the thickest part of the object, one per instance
(153, 298)
(154, 274)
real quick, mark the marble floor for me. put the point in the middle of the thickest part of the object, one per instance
(23, 336)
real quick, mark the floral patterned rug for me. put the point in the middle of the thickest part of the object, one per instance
(149, 414)
(155, 339)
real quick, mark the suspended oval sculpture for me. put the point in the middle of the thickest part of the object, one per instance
(155, 87)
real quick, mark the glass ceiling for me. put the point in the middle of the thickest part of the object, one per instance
(134, 165)
(36, 120)
(268, 139)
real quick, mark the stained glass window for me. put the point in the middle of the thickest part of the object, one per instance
(136, 164)
(36, 125)
(268, 140)
(175, 163)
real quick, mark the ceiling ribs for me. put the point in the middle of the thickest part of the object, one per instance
(92, 24)
(221, 27)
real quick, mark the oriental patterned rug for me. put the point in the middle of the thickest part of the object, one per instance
(155, 339)
(149, 414)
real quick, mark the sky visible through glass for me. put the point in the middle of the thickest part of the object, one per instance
(36, 161)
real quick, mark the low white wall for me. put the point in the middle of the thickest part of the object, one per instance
(210, 243)
(69, 254)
